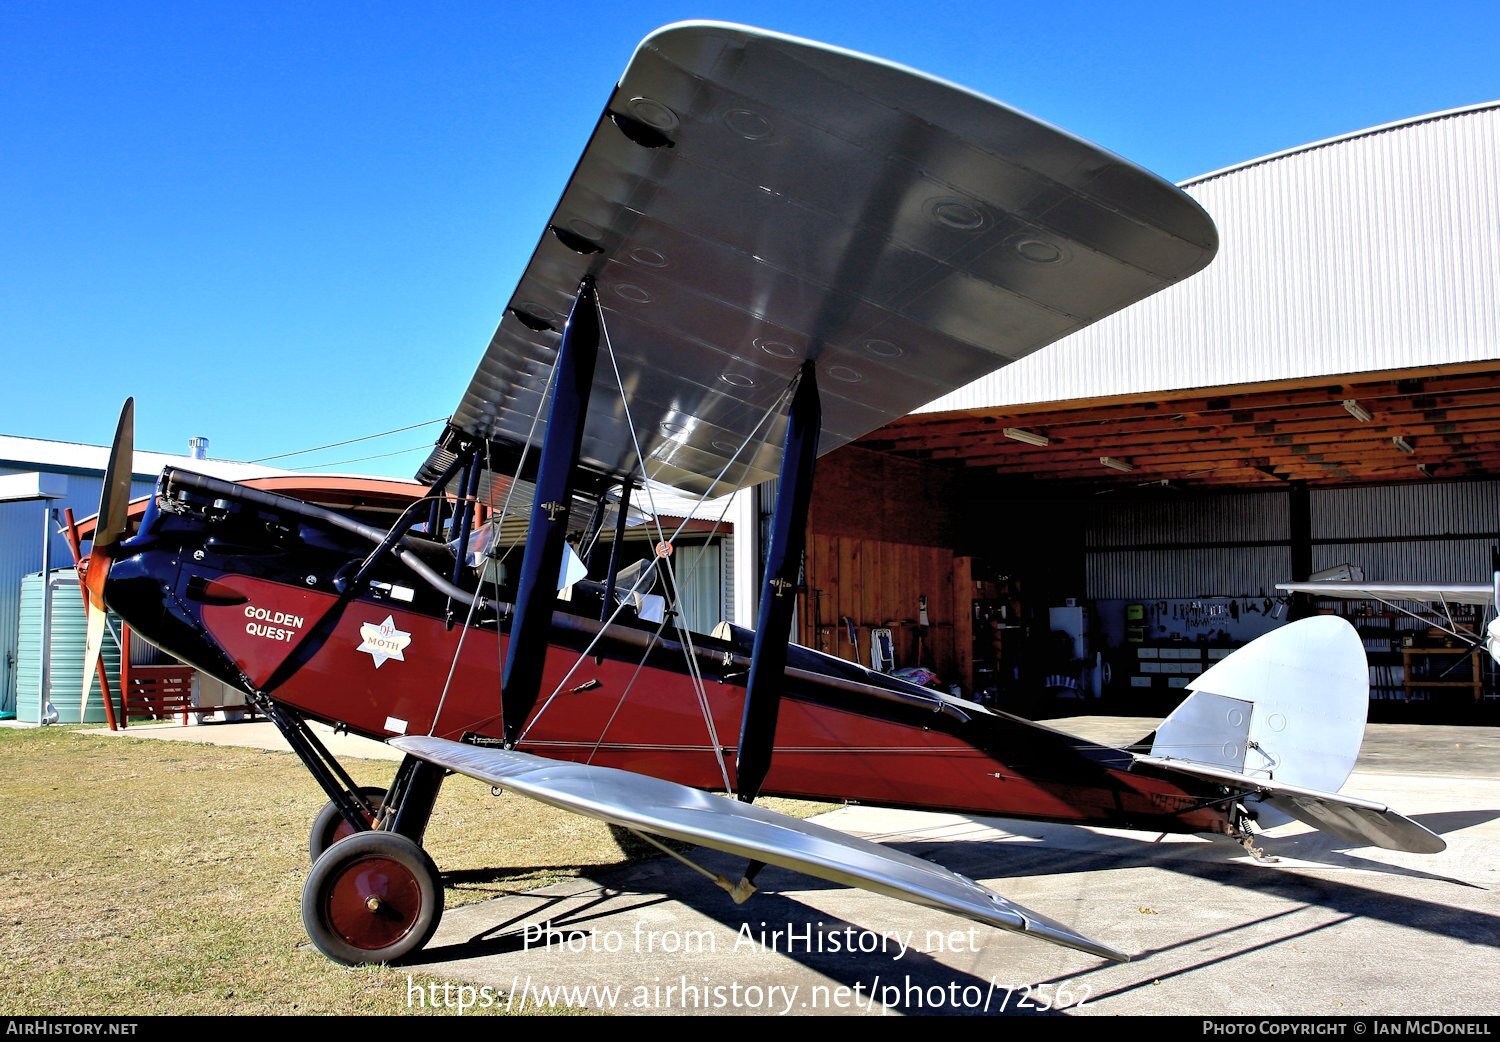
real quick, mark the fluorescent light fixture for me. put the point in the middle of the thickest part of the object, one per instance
(1116, 464)
(1029, 437)
(1404, 445)
(1359, 412)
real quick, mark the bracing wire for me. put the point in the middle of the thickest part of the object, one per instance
(350, 441)
(495, 576)
(674, 583)
(361, 459)
(713, 733)
(625, 693)
(674, 587)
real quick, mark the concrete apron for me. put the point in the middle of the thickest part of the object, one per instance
(1324, 930)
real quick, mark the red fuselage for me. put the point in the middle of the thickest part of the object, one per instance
(388, 661)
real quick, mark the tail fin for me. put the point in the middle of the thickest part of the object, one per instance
(1288, 707)
(1282, 720)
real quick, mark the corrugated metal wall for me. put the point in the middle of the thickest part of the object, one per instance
(1189, 519)
(1175, 548)
(1373, 252)
(701, 585)
(1435, 532)
(1456, 508)
(726, 592)
(21, 554)
(1184, 548)
(1168, 574)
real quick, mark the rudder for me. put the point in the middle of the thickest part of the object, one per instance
(1289, 706)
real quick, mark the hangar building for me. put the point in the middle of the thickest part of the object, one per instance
(1325, 396)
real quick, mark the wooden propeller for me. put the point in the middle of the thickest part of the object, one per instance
(114, 502)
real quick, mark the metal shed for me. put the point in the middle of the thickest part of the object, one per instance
(1326, 393)
(76, 474)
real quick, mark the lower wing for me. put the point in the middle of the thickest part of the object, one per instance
(673, 811)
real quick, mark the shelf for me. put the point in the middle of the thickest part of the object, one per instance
(1474, 683)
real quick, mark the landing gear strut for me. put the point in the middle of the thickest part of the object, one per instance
(373, 895)
(329, 826)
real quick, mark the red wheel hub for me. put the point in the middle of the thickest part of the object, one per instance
(344, 830)
(374, 902)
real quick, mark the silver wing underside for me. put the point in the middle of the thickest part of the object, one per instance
(810, 203)
(1429, 593)
(673, 811)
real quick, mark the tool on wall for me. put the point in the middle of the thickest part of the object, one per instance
(853, 632)
(921, 630)
(815, 599)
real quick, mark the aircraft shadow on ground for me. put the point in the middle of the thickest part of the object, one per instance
(1217, 862)
(917, 982)
(1444, 822)
(663, 880)
(567, 913)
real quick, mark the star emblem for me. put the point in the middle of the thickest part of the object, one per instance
(383, 641)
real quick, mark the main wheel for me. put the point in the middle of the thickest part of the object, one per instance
(329, 826)
(372, 898)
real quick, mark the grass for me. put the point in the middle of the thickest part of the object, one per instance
(145, 877)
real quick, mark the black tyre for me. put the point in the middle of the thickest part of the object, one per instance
(372, 898)
(329, 826)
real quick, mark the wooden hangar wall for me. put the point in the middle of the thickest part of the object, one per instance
(880, 535)
(884, 531)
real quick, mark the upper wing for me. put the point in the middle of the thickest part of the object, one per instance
(675, 811)
(749, 201)
(1452, 593)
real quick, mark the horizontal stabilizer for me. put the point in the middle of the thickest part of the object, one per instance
(674, 811)
(1347, 817)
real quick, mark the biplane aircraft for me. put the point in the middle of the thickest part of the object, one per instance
(1440, 596)
(769, 248)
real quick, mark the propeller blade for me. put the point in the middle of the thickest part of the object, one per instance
(114, 500)
(109, 527)
(92, 647)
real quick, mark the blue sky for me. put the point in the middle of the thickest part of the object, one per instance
(282, 225)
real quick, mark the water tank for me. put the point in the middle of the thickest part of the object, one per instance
(67, 639)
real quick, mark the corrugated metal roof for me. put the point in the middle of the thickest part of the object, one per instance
(36, 454)
(1368, 252)
(669, 503)
(1337, 139)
